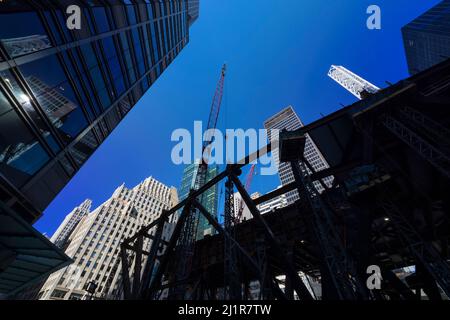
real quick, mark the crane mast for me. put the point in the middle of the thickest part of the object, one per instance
(188, 236)
(248, 183)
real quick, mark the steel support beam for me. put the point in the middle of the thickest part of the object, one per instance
(297, 282)
(155, 284)
(341, 268)
(232, 282)
(137, 266)
(423, 250)
(250, 261)
(426, 150)
(225, 234)
(430, 125)
(125, 273)
(398, 285)
(151, 259)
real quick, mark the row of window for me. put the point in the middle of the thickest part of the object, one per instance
(95, 256)
(17, 28)
(21, 154)
(56, 97)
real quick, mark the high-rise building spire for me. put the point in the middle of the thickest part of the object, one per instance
(62, 234)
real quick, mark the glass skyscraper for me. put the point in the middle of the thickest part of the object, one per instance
(210, 197)
(62, 92)
(427, 38)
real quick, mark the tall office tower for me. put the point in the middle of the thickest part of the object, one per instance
(95, 243)
(63, 91)
(193, 10)
(352, 82)
(273, 204)
(210, 197)
(265, 207)
(427, 38)
(61, 236)
(240, 204)
(288, 119)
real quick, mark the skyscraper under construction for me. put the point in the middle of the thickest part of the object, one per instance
(209, 199)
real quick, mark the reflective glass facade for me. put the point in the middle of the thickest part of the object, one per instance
(210, 197)
(427, 38)
(63, 91)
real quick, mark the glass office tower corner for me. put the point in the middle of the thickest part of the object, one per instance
(209, 199)
(427, 38)
(62, 92)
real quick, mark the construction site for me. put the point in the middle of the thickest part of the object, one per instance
(388, 206)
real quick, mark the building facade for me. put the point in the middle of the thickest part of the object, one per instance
(95, 243)
(288, 119)
(265, 207)
(193, 10)
(427, 38)
(239, 204)
(61, 236)
(63, 91)
(209, 199)
(273, 204)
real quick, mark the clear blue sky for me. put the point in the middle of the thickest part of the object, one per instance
(278, 53)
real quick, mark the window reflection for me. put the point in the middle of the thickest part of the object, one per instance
(138, 51)
(26, 105)
(22, 33)
(96, 75)
(67, 166)
(101, 19)
(124, 106)
(55, 96)
(21, 155)
(154, 41)
(21, 46)
(127, 55)
(114, 66)
(131, 15)
(83, 149)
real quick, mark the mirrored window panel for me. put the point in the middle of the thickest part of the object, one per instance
(21, 155)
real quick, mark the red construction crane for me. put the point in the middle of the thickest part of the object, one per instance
(248, 183)
(200, 177)
(214, 114)
(189, 233)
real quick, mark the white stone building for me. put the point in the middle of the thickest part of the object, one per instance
(95, 243)
(62, 234)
